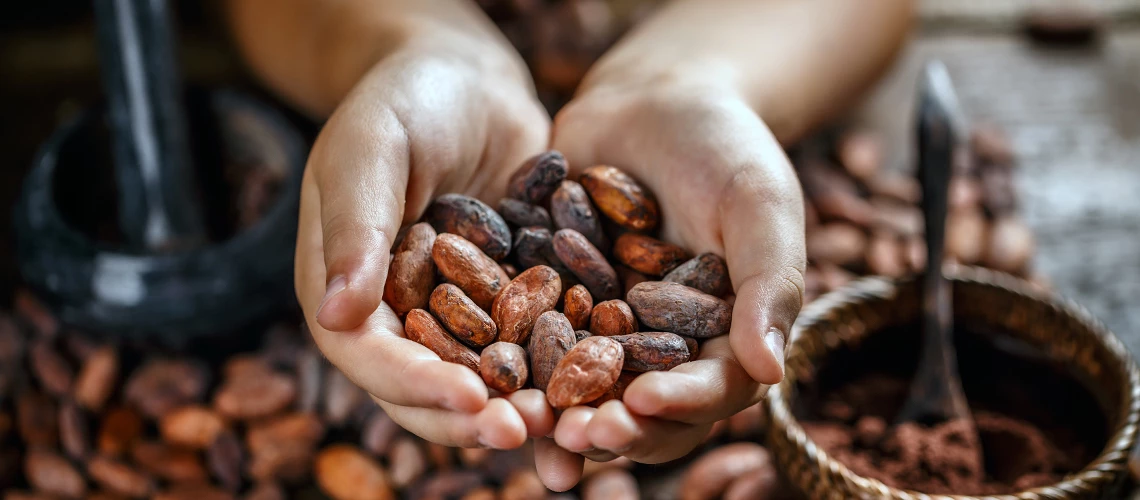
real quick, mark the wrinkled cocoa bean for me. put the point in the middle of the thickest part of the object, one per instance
(164, 384)
(537, 177)
(706, 272)
(629, 278)
(503, 366)
(245, 398)
(621, 198)
(1011, 245)
(587, 371)
(523, 485)
(52, 474)
(577, 307)
(612, 484)
(533, 248)
(472, 219)
(378, 433)
(652, 351)
(119, 478)
(587, 263)
(710, 475)
(345, 473)
(421, 327)
(523, 300)
(36, 416)
(570, 208)
(53, 372)
(553, 337)
(194, 427)
(406, 462)
(966, 235)
(120, 429)
(341, 396)
(462, 317)
(411, 270)
(169, 463)
(96, 379)
(676, 308)
(837, 243)
(612, 317)
(73, 432)
(463, 264)
(648, 255)
(693, 346)
(523, 214)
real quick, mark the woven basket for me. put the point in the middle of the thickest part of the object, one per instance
(1060, 329)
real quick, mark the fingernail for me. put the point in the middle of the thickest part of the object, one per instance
(334, 287)
(619, 451)
(774, 339)
(482, 443)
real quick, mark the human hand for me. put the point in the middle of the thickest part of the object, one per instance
(724, 185)
(424, 121)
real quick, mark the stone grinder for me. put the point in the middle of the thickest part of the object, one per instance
(125, 225)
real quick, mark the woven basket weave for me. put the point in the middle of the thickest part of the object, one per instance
(1060, 329)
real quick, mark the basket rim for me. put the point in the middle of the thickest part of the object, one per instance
(1104, 468)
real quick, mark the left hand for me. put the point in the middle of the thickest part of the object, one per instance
(724, 185)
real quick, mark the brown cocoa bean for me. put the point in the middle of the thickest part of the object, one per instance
(652, 351)
(998, 191)
(480, 493)
(706, 272)
(97, 378)
(378, 433)
(510, 270)
(710, 475)
(885, 256)
(648, 255)
(522, 214)
(629, 278)
(462, 317)
(345, 473)
(577, 307)
(523, 300)
(617, 391)
(537, 177)
(120, 429)
(621, 198)
(52, 474)
(265, 490)
(553, 337)
(523, 485)
(676, 308)
(833, 193)
(411, 270)
(612, 317)
(36, 416)
(612, 484)
(341, 396)
(53, 372)
(287, 462)
(902, 188)
(1011, 245)
(581, 334)
(169, 463)
(587, 371)
(760, 483)
(440, 456)
(406, 462)
(570, 208)
(693, 346)
(119, 478)
(463, 264)
(446, 485)
(587, 263)
(472, 219)
(161, 385)
(296, 428)
(966, 235)
(310, 368)
(837, 243)
(860, 153)
(193, 491)
(73, 432)
(252, 397)
(894, 217)
(421, 327)
(503, 366)
(194, 427)
(473, 457)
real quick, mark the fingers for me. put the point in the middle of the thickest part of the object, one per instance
(497, 426)
(535, 411)
(558, 468)
(570, 432)
(643, 439)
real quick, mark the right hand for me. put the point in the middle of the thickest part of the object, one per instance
(423, 122)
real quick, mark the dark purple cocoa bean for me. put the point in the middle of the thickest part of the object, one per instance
(706, 272)
(652, 351)
(472, 219)
(523, 214)
(570, 208)
(538, 177)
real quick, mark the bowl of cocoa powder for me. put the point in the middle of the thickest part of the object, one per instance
(1054, 396)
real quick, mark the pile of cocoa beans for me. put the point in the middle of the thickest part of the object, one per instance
(496, 306)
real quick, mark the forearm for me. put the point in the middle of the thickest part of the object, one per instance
(312, 52)
(796, 62)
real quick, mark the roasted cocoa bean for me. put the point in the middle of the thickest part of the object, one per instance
(378, 433)
(522, 214)
(1011, 245)
(537, 177)
(421, 327)
(570, 208)
(837, 243)
(120, 429)
(621, 198)
(119, 478)
(612, 484)
(612, 317)
(523, 484)
(341, 396)
(706, 272)
(533, 248)
(462, 317)
(966, 232)
(162, 385)
(577, 306)
(523, 300)
(503, 366)
(50, 368)
(587, 263)
(552, 338)
(289, 462)
(586, 372)
(710, 475)
(252, 397)
(676, 308)
(463, 264)
(472, 219)
(345, 473)
(96, 379)
(903, 188)
(36, 419)
(73, 432)
(581, 334)
(629, 278)
(169, 463)
(407, 462)
(693, 346)
(894, 217)
(411, 270)
(52, 474)
(618, 389)
(194, 427)
(652, 351)
(648, 255)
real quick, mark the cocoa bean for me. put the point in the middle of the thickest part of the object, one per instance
(612, 484)
(577, 307)
(169, 463)
(345, 473)
(194, 427)
(421, 327)
(119, 478)
(652, 351)
(587, 371)
(621, 198)
(710, 475)
(287, 462)
(503, 366)
(252, 397)
(193, 491)
(612, 317)
(587, 263)
(966, 235)
(407, 462)
(553, 337)
(511, 271)
(965, 193)
(676, 308)
(523, 214)
(629, 278)
(998, 191)
(378, 433)
(537, 177)
(120, 429)
(310, 367)
(693, 346)
(706, 272)
(440, 456)
(341, 396)
(161, 385)
(580, 334)
(462, 317)
(617, 391)
(463, 264)
(570, 208)
(480, 493)
(96, 380)
(31, 310)
(1011, 245)
(295, 428)
(902, 188)
(885, 257)
(834, 195)
(52, 474)
(36, 416)
(446, 485)
(523, 300)
(53, 372)
(411, 270)
(473, 457)
(861, 154)
(897, 218)
(648, 255)
(523, 485)
(472, 219)
(533, 248)
(246, 366)
(265, 490)
(73, 432)
(837, 243)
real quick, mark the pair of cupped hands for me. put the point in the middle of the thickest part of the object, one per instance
(419, 125)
